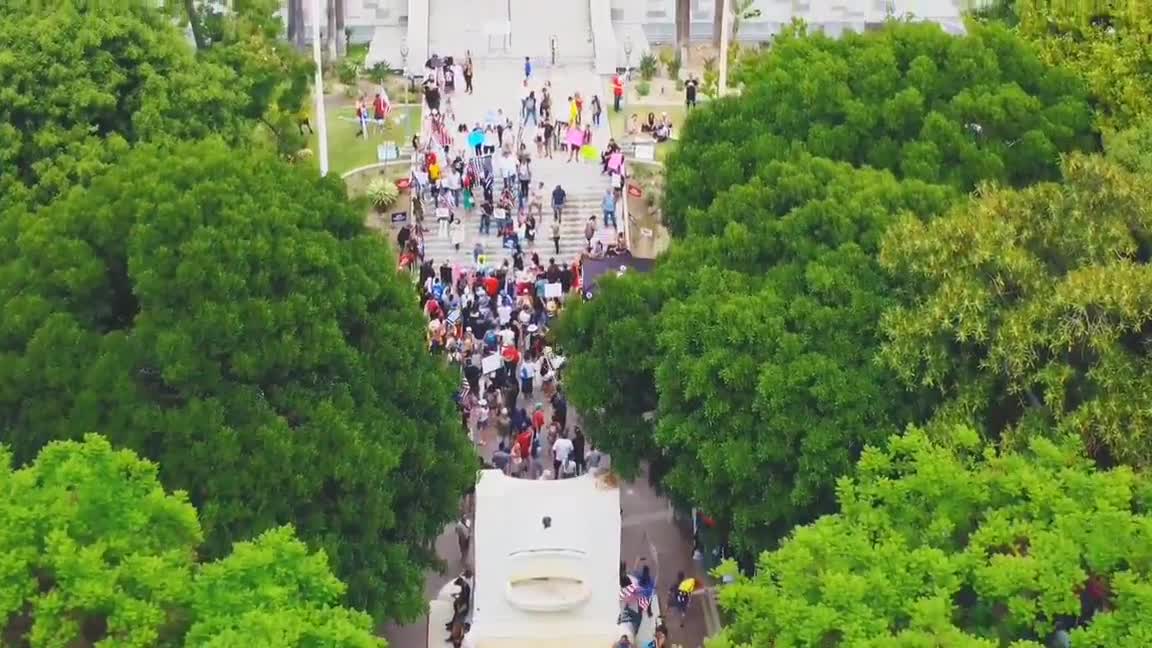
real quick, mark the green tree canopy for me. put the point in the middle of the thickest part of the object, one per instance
(247, 37)
(1132, 147)
(909, 98)
(1104, 44)
(229, 317)
(956, 544)
(752, 343)
(95, 552)
(1036, 309)
(81, 81)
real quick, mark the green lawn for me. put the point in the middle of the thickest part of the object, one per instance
(346, 151)
(618, 122)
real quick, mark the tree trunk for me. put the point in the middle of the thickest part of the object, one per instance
(293, 21)
(301, 37)
(341, 37)
(330, 35)
(683, 24)
(717, 24)
(194, 22)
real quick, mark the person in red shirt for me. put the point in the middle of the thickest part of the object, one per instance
(432, 309)
(538, 420)
(491, 286)
(617, 91)
(524, 440)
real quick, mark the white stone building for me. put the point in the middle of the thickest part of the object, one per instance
(418, 26)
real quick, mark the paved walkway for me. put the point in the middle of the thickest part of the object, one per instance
(648, 526)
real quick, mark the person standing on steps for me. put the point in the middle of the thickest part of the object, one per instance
(549, 130)
(527, 71)
(597, 110)
(590, 231)
(690, 88)
(608, 204)
(559, 197)
(556, 235)
(530, 108)
(468, 72)
(545, 104)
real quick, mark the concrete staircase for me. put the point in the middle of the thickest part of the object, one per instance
(585, 188)
(536, 22)
(457, 26)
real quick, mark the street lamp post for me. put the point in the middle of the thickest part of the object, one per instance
(404, 67)
(725, 25)
(725, 36)
(628, 56)
(321, 116)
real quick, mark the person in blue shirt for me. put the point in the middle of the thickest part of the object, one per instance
(476, 139)
(527, 70)
(609, 207)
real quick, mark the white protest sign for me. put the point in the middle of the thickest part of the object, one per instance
(491, 363)
(553, 291)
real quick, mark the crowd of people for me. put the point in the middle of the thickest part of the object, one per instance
(481, 175)
(491, 319)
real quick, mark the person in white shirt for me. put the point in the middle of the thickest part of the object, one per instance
(568, 470)
(453, 183)
(490, 140)
(561, 450)
(443, 216)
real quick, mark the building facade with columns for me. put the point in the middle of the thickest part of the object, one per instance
(658, 17)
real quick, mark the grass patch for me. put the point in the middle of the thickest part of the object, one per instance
(619, 123)
(346, 151)
(357, 52)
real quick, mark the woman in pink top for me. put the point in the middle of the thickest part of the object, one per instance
(575, 139)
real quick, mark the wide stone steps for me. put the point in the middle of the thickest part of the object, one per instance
(572, 242)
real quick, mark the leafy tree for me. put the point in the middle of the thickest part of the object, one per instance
(1132, 147)
(1106, 47)
(957, 544)
(96, 553)
(753, 343)
(1036, 309)
(82, 81)
(248, 38)
(909, 98)
(230, 317)
(611, 351)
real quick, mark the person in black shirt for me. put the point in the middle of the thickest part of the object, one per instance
(565, 278)
(472, 375)
(486, 211)
(690, 88)
(549, 130)
(559, 197)
(431, 95)
(449, 78)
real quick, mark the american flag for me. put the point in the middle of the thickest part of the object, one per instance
(633, 592)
